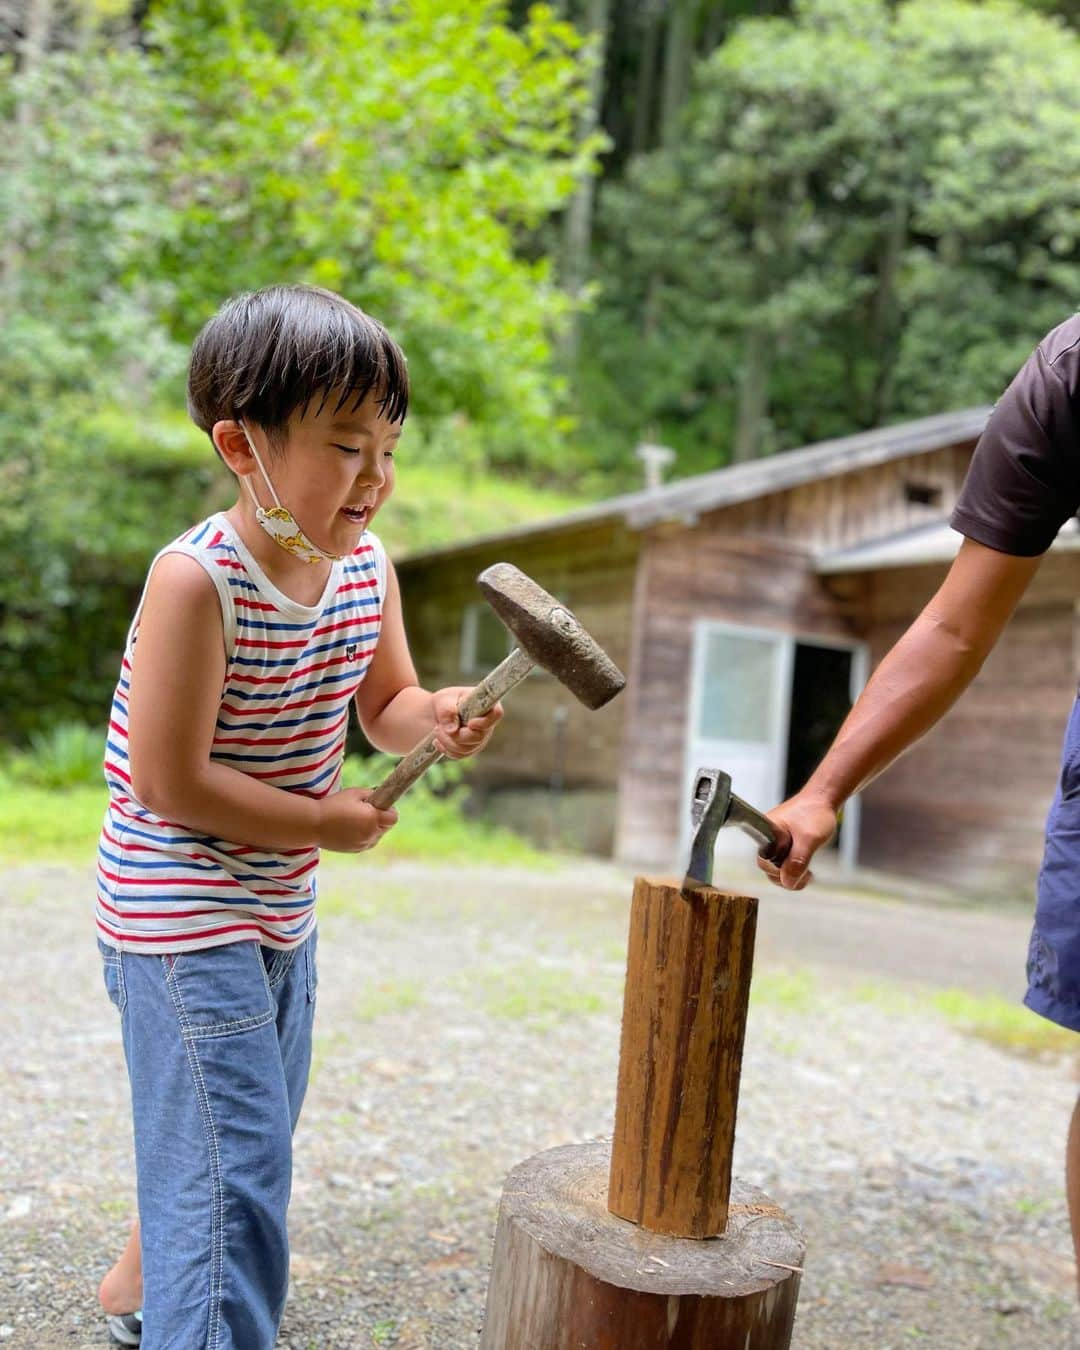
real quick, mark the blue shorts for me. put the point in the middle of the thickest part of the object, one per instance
(218, 1050)
(1054, 954)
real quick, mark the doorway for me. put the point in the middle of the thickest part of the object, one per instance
(764, 707)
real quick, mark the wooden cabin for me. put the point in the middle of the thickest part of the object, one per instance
(748, 606)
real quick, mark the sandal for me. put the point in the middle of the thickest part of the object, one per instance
(125, 1328)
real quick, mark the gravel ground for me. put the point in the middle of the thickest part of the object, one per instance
(467, 1020)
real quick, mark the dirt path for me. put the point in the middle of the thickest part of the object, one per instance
(468, 1020)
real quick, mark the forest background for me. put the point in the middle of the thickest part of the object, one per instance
(727, 228)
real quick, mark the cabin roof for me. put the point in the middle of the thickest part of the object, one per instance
(688, 498)
(932, 543)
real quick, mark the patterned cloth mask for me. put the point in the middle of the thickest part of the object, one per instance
(280, 523)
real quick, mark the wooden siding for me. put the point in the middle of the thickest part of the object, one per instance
(866, 504)
(967, 805)
(703, 573)
(592, 570)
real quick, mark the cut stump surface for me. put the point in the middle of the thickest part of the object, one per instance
(567, 1273)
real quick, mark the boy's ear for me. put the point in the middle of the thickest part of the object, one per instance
(231, 443)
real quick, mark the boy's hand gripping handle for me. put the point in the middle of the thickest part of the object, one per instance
(482, 699)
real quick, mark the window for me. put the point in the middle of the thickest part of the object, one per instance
(485, 640)
(922, 494)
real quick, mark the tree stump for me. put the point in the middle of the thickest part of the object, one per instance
(645, 1243)
(568, 1274)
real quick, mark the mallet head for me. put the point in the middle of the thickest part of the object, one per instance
(551, 635)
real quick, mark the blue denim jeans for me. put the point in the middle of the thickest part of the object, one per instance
(218, 1049)
(1054, 953)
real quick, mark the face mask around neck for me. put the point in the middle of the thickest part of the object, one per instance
(280, 523)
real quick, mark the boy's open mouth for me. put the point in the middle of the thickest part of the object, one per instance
(357, 514)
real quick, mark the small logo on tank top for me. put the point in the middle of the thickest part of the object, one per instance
(350, 652)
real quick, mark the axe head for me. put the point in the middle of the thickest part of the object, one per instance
(709, 810)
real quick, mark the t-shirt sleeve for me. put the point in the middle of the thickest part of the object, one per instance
(1023, 482)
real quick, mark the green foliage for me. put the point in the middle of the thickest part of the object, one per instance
(432, 821)
(69, 755)
(872, 214)
(403, 153)
(400, 153)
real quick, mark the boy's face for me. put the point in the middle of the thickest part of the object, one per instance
(336, 470)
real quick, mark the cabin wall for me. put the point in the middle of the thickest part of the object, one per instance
(967, 806)
(552, 767)
(684, 576)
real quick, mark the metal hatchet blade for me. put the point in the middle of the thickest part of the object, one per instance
(713, 806)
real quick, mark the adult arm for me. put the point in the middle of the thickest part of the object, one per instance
(915, 685)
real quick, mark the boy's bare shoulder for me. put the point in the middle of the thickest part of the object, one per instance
(182, 586)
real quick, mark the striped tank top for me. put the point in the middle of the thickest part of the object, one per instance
(291, 673)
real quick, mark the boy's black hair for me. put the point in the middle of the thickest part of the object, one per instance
(266, 353)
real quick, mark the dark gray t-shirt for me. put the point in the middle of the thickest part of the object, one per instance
(1024, 478)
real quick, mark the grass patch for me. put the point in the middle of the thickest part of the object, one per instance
(62, 825)
(369, 901)
(1010, 1026)
(541, 995)
(38, 823)
(790, 990)
(389, 996)
(441, 503)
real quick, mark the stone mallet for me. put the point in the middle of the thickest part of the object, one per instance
(548, 635)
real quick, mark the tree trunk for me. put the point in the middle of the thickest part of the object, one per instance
(753, 397)
(646, 1244)
(567, 1274)
(886, 318)
(684, 1017)
(677, 56)
(577, 228)
(33, 47)
(644, 119)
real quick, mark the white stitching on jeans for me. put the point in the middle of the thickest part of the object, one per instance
(217, 1217)
(229, 1028)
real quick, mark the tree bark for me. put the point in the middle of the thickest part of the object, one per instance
(688, 971)
(568, 1274)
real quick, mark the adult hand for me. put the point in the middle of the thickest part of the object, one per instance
(811, 821)
(454, 739)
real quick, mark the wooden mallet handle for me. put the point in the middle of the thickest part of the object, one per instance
(475, 704)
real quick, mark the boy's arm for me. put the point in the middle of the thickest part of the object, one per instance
(395, 712)
(915, 685)
(178, 672)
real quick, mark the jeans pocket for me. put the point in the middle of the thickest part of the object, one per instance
(312, 964)
(219, 991)
(113, 974)
(278, 965)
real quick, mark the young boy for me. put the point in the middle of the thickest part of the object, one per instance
(256, 629)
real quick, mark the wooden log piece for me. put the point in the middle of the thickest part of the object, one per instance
(569, 1275)
(684, 1018)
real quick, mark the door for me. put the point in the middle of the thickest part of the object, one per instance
(740, 703)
